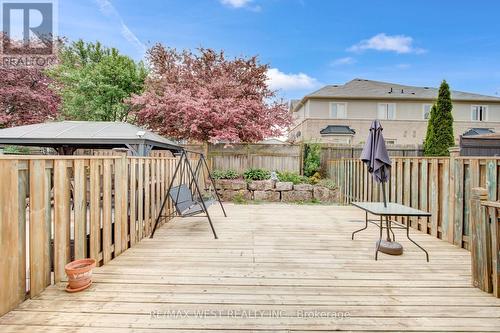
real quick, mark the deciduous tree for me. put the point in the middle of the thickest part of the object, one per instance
(94, 81)
(26, 97)
(205, 96)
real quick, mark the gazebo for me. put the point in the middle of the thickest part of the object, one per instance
(67, 136)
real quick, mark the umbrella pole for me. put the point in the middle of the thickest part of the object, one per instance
(387, 217)
(383, 194)
(388, 226)
(382, 183)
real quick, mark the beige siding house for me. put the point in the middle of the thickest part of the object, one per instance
(343, 113)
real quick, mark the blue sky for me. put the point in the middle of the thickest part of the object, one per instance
(310, 43)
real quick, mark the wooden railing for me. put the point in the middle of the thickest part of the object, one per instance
(63, 208)
(441, 186)
(485, 247)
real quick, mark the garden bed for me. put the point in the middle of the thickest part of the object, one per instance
(273, 191)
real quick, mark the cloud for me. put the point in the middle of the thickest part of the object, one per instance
(403, 66)
(235, 3)
(240, 4)
(132, 38)
(276, 79)
(107, 8)
(383, 42)
(343, 61)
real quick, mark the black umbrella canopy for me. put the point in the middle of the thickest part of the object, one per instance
(375, 154)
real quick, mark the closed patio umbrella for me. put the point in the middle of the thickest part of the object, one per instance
(376, 157)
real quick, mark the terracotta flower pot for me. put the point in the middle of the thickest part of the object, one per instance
(79, 274)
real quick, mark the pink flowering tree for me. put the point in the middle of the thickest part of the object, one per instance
(206, 97)
(26, 97)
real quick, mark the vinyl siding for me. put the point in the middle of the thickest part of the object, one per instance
(405, 110)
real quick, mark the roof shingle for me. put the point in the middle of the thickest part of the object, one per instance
(361, 88)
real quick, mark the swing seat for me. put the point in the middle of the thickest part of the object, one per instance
(187, 198)
(185, 205)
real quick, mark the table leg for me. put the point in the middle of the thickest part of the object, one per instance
(420, 247)
(380, 238)
(366, 226)
(389, 223)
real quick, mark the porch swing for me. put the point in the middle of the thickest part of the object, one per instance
(186, 197)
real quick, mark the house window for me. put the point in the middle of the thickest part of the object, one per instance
(387, 111)
(479, 113)
(426, 111)
(338, 110)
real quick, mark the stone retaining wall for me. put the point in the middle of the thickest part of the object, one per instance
(268, 190)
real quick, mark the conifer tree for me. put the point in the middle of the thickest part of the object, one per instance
(440, 135)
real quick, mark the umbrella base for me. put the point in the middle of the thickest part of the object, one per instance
(388, 247)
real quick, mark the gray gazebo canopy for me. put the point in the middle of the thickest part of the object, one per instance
(66, 136)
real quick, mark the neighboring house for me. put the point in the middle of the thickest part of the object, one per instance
(343, 113)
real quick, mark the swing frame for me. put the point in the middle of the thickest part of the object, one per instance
(184, 168)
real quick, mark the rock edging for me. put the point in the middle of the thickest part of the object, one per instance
(271, 191)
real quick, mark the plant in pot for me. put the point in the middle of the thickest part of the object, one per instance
(79, 274)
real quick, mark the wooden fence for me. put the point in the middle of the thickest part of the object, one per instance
(285, 157)
(281, 157)
(120, 152)
(62, 208)
(240, 157)
(485, 247)
(333, 152)
(490, 216)
(441, 186)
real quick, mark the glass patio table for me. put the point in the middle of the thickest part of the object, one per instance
(392, 209)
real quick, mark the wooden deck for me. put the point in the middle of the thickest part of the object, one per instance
(275, 268)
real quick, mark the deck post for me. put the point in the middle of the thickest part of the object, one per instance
(454, 153)
(481, 240)
(492, 209)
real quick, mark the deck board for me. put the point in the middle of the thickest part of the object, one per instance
(271, 265)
